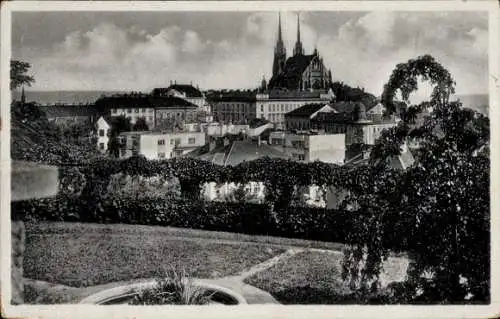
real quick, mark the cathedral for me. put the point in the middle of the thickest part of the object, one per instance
(299, 72)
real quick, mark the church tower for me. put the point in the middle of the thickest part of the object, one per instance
(298, 49)
(279, 52)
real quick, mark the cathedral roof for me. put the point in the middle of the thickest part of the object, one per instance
(296, 65)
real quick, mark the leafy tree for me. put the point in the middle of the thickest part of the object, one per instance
(18, 74)
(141, 125)
(344, 92)
(438, 209)
(119, 124)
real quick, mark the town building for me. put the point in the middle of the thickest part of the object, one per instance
(160, 145)
(173, 110)
(157, 111)
(300, 72)
(273, 105)
(184, 91)
(360, 126)
(65, 115)
(241, 107)
(103, 129)
(310, 146)
(236, 107)
(300, 119)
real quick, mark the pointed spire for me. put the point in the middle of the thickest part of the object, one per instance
(279, 27)
(298, 27)
(298, 50)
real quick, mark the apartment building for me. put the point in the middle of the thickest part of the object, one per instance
(273, 105)
(240, 107)
(160, 145)
(310, 146)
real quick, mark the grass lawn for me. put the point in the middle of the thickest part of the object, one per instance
(81, 255)
(309, 277)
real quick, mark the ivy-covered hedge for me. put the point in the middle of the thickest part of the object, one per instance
(297, 222)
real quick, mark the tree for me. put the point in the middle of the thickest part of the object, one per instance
(18, 74)
(141, 125)
(119, 124)
(438, 209)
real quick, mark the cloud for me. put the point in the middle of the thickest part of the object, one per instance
(361, 52)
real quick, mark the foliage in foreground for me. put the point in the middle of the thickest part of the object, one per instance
(438, 208)
(174, 288)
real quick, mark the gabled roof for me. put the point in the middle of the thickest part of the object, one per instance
(306, 110)
(142, 101)
(187, 89)
(237, 152)
(235, 96)
(292, 74)
(68, 110)
(170, 102)
(297, 64)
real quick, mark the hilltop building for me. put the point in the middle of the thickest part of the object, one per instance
(184, 91)
(300, 72)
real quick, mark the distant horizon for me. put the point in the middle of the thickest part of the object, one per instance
(99, 50)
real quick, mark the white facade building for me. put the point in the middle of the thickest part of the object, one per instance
(160, 145)
(103, 133)
(310, 146)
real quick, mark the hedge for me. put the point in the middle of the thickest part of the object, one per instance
(248, 218)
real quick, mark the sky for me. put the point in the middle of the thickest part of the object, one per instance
(142, 50)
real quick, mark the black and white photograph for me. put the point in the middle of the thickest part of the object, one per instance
(232, 155)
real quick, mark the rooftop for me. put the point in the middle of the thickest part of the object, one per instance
(68, 110)
(306, 110)
(188, 89)
(237, 152)
(143, 101)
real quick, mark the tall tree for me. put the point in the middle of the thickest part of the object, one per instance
(18, 74)
(119, 124)
(438, 209)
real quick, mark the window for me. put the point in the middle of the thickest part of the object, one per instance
(300, 157)
(151, 119)
(129, 111)
(136, 110)
(101, 146)
(172, 141)
(262, 107)
(191, 140)
(177, 142)
(143, 110)
(282, 108)
(113, 111)
(161, 155)
(161, 142)
(101, 132)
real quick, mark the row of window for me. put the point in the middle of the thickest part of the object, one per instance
(174, 154)
(136, 110)
(280, 107)
(177, 141)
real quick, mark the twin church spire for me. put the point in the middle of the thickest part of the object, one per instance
(298, 49)
(280, 51)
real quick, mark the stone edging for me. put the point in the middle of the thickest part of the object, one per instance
(122, 291)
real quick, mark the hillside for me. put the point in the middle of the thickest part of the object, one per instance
(34, 139)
